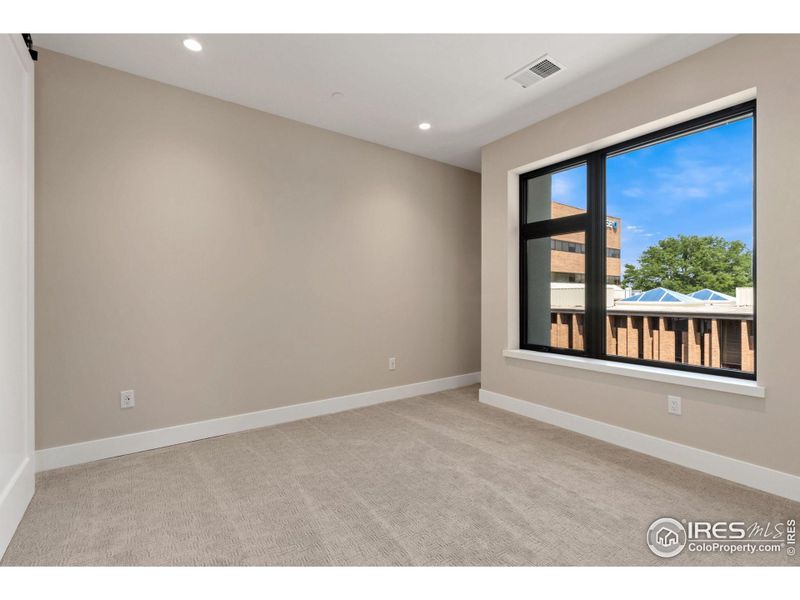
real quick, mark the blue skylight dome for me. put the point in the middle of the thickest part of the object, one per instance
(661, 294)
(707, 295)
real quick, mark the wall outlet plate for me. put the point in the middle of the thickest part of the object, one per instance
(127, 399)
(674, 405)
(392, 363)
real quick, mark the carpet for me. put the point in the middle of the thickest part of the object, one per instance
(431, 480)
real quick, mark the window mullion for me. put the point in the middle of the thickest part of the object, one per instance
(553, 227)
(596, 257)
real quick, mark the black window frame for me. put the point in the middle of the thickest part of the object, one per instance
(593, 224)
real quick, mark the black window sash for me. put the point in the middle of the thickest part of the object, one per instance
(593, 224)
(548, 228)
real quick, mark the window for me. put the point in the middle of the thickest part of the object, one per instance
(557, 277)
(644, 251)
(563, 246)
(554, 219)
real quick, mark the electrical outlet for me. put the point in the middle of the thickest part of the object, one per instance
(392, 363)
(127, 399)
(674, 405)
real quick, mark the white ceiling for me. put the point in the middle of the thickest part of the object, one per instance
(390, 83)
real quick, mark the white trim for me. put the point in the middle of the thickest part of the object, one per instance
(732, 469)
(635, 132)
(74, 454)
(17, 491)
(14, 499)
(731, 385)
(512, 204)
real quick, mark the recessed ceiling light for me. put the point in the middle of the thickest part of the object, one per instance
(192, 44)
(424, 126)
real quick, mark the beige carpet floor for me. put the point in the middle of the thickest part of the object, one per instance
(433, 480)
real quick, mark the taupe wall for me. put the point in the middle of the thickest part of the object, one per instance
(220, 260)
(764, 432)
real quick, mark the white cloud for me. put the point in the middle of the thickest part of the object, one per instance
(561, 187)
(692, 179)
(634, 192)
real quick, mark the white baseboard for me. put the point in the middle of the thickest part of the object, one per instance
(74, 454)
(14, 499)
(761, 478)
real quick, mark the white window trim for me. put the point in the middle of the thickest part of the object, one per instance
(719, 383)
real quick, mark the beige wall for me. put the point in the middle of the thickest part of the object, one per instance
(220, 260)
(761, 431)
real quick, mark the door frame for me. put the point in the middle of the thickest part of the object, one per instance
(16, 494)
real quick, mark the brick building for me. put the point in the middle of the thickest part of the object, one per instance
(705, 328)
(568, 251)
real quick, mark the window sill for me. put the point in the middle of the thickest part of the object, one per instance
(717, 383)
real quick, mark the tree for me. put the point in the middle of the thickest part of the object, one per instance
(688, 263)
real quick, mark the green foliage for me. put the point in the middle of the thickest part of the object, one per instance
(688, 263)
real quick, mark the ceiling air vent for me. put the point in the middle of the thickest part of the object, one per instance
(541, 68)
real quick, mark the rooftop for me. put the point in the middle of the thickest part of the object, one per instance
(660, 294)
(658, 301)
(705, 302)
(708, 295)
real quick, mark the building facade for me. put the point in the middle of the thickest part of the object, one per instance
(568, 251)
(701, 333)
(706, 328)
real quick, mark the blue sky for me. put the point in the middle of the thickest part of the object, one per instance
(700, 184)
